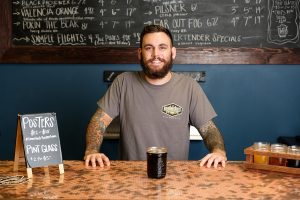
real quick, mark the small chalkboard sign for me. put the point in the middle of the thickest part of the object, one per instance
(40, 144)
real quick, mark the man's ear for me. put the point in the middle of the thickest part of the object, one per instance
(173, 53)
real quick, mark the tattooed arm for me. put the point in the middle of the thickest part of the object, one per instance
(94, 137)
(215, 144)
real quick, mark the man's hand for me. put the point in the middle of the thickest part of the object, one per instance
(214, 159)
(96, 158)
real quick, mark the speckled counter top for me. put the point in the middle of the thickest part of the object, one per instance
(128, 180)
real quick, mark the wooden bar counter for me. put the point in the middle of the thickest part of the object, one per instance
(128, 180)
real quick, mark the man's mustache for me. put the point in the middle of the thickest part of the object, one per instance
(156, 58)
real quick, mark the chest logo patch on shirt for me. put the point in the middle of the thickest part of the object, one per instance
(172, 109)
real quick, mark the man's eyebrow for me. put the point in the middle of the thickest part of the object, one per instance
(148, 45)
(162, 44)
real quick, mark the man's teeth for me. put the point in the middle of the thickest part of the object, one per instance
(156, 61)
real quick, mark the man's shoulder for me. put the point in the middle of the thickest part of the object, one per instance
(128, 75)
(183, 76)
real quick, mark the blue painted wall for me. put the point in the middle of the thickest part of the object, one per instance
(253, 102)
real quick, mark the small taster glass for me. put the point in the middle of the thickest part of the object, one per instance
(293, 150)
(261, 146)
(280, 149)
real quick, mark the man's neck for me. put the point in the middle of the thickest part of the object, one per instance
(161, 81)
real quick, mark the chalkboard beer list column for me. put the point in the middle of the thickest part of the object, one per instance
(76, 22)
(194, 23)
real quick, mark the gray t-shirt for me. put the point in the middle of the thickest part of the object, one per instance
(156, 115)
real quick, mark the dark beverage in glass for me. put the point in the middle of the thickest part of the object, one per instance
(293, 163)
(278, 149)
(293, 150)
(156, 162)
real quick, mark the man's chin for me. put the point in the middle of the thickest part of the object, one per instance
(156, 74)
(156, 66)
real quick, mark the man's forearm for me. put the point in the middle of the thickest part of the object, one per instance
(212, 137)
(95, 130)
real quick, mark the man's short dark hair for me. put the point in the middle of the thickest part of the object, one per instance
(155, 29)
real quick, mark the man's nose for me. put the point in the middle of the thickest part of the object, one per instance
(156, 52)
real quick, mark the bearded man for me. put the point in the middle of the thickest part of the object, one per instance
(156, 108)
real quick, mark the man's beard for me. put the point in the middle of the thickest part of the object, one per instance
(156, 74)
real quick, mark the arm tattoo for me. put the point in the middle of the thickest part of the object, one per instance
(212, 137)
(95, 130)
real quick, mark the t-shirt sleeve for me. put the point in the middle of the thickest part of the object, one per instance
(110, 102)
(201, 110)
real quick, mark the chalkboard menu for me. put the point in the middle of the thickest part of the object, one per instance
(193, 23)
(41, 139)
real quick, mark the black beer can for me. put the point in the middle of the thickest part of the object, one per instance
(156, 162)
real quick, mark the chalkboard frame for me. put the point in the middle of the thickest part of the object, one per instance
(91, 55)
(52, 135)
